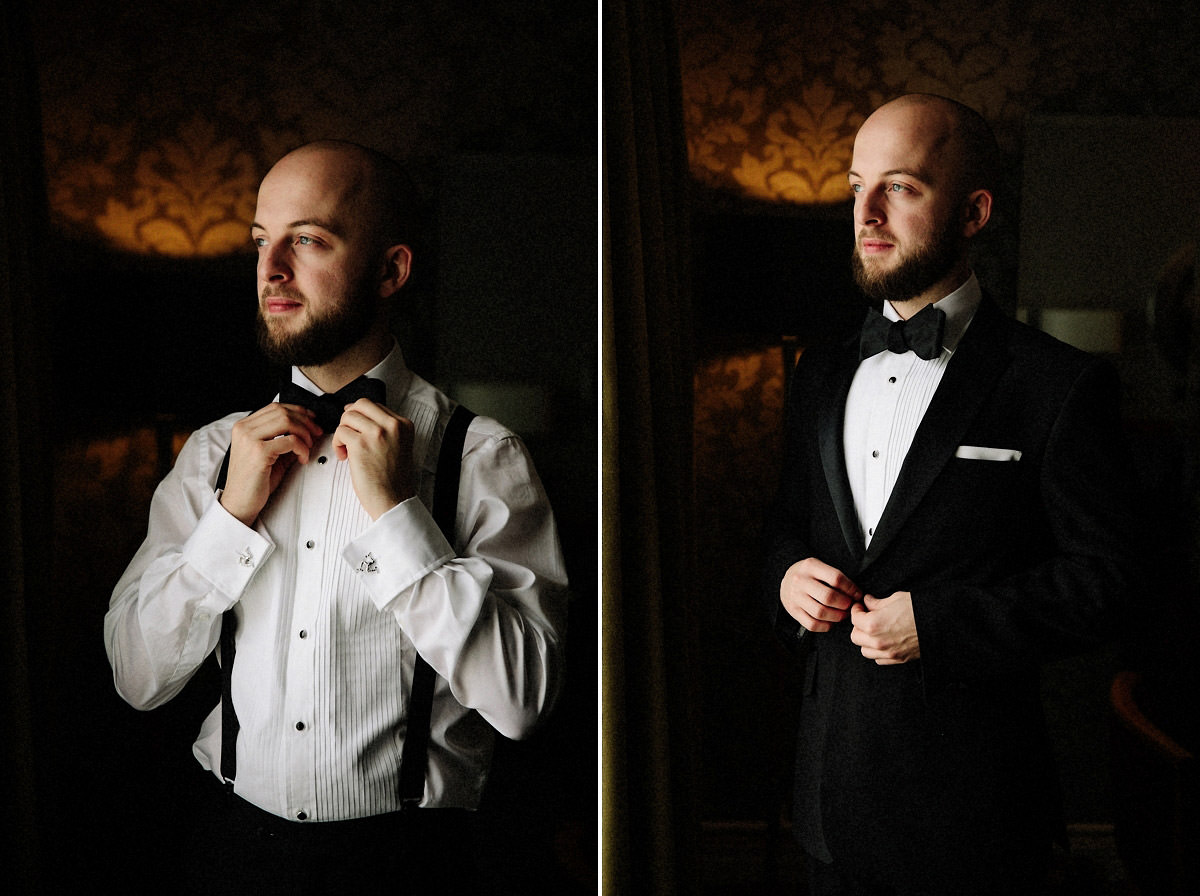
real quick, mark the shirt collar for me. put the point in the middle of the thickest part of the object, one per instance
(960, 306)
(392, 370)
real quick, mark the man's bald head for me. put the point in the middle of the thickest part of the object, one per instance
(957, 136)
(369, 185)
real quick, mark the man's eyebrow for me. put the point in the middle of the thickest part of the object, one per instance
(306, 222)
(905, 172)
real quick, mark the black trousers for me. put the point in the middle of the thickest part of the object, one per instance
(237, 848)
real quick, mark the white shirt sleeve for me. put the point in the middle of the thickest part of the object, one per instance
(164, 616)
(488, 614)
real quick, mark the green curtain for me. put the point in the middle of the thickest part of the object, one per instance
(648, 708)
(25, 496)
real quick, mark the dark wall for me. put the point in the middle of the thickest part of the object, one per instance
(147, 346)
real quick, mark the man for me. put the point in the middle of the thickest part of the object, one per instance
(953, 512)
(320, 540)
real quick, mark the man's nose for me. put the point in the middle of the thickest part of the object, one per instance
(273, 266)
(868, 209)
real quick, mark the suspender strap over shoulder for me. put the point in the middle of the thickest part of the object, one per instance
(415, 758)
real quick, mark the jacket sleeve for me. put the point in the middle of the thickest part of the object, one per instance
(1084, 569)
(787, 527)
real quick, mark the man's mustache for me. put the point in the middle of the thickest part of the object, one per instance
(875, 235)
(282, 292)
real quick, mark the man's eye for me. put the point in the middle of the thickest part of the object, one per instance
(857, 188)
(259, 241)
(305, 240)
(898, 188)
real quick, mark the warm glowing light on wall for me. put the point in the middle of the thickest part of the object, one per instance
(187, 194)
(803, 155)
(797, 152)
(738, 397)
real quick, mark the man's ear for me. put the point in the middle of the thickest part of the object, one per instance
(397, 262)
(978, 211)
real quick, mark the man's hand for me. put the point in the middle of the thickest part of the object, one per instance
(816, 595)
(263, 448)
(378, 443)
(886, 630)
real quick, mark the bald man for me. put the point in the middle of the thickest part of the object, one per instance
(955, 510)
(300, 538)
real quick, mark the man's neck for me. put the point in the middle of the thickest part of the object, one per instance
(352, 363)
(944, 287)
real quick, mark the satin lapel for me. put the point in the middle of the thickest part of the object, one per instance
(833, 454)
(979, 360)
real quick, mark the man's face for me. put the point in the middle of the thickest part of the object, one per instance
(317, 278)
(910, 241)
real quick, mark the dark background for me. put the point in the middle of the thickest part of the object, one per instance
(157, 120)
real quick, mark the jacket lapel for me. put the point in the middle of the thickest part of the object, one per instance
(832, 416)
(978, 362)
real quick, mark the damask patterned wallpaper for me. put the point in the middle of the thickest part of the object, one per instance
(775, 90)
(160, 118)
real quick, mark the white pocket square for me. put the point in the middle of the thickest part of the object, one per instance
(975, 452)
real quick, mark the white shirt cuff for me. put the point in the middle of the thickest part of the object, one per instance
(225, 551)
(397, 551)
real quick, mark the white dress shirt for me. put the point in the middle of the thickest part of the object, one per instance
(332, 608)
(886, 403)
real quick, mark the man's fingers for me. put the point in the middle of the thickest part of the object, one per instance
(298, 444)
(300, 413)
(817, 595)
(814, 625)
(369, 409)
(827, 584)
(264, 446)
(823, 611)
(277, 420)
(367, 418)
(884, 629)
(839, 591)
(831, 596)
(811, 613)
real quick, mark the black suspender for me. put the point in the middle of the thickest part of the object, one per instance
(229, 720)
(415, 758)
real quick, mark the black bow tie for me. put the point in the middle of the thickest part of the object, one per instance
(921, 333)
(330, 406)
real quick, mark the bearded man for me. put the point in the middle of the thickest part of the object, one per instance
(300, 538)
(955, 510)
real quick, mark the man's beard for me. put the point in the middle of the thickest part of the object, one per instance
(927, 265)
(324, 337)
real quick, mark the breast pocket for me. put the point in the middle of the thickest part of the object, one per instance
(987, 490)
(988, 455)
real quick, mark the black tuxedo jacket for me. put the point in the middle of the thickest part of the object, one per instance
(1009, 562)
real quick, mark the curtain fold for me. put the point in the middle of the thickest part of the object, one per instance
(25, 496)
(648, 709)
